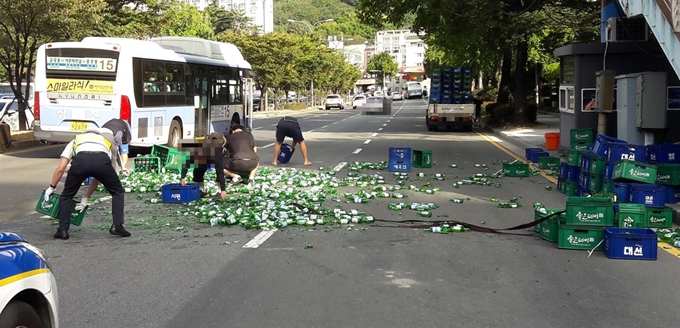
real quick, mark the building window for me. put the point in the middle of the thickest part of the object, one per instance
(567, 99)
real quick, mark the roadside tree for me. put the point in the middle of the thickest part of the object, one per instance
(26, 24)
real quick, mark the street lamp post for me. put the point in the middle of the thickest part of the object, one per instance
(311, 30)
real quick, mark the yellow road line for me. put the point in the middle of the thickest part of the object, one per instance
(515, 156)
(668, 248)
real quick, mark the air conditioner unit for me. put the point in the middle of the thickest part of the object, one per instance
(621, 29)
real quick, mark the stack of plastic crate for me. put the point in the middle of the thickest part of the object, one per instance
(436, 86)
(584, 223)
(574, 179)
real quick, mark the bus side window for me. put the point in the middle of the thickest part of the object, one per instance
(235, 91)
(153, 73)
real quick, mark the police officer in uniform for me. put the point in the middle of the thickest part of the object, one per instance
(93, 153)
(122, 136)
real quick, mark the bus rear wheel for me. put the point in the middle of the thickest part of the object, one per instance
(175, 134)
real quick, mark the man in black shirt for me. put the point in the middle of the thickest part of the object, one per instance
(242, 155)
(211, 151)
(289, 127)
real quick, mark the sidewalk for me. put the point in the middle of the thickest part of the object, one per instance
(535, 138)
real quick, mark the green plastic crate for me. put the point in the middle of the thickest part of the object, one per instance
(538, 215)
(583, 146)
(579, 136)
(574, 157)
(606, 185)
(668, 174)
(597, 165)
(548, 229)
(422, 158)
(166, 154)
(516, 169)
(597, 211)
(579, 237)
(595, 182)
(631, 215)
(78, 216)
(51, 208)
(658, 217)
(146, 164)
(635, 171)
(549, 162)
(570, 188)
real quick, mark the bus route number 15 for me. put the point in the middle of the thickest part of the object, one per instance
(106, 65)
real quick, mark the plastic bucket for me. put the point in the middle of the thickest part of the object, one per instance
(552, 141)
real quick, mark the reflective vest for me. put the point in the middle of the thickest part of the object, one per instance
(90, 138)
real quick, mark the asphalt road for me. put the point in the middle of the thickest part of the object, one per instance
(201, 276)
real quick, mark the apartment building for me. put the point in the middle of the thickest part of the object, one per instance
(261, 12)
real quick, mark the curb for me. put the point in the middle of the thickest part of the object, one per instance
(19, 145)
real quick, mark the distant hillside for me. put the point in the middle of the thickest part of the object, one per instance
(342, 12)
(311, 10)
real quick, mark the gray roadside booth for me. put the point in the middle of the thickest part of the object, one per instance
(636, 70)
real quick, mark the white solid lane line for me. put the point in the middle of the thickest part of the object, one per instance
(267, 146)
(358, 150)
(259, 239)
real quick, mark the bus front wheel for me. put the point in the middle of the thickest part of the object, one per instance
(175, 134)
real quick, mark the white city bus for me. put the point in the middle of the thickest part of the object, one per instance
(167, 88)
(413, 89)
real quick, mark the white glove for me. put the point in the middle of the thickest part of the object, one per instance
(81, 206)
(48, 192)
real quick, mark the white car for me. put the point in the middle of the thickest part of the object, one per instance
(358, 101)
(396, 95)
(334, 101)
(9, 113)
(28, 290)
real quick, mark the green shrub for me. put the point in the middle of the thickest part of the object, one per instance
(490, 107)
(295, 106)
(502, 113)
(488, 94)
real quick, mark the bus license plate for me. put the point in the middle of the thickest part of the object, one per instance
(78, 126)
